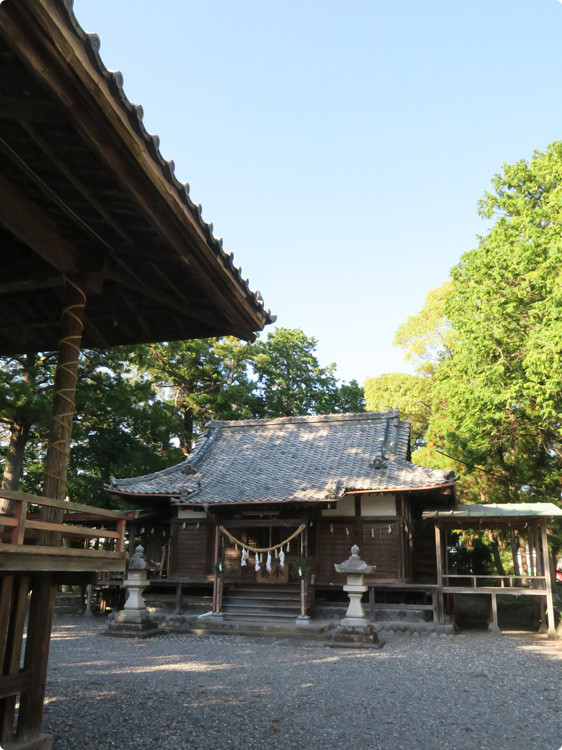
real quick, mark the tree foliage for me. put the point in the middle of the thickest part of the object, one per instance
(139, 409)
(491, 341)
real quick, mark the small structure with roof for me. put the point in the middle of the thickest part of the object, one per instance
(530, 520)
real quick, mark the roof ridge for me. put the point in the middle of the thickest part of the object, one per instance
(304, 419)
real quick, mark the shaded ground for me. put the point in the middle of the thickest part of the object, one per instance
(216, 692)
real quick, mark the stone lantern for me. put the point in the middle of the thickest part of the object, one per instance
(355, 628)
(134, 619)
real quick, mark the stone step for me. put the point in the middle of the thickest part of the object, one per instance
(263, 627)
(264, 595)
(253, 615)
(269, 589)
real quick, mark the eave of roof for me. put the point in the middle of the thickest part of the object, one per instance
(495, 511)
(63, 82)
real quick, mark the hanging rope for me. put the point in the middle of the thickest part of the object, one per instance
(249, 548)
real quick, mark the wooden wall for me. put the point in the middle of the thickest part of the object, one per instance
(376, 546)
(191, 550)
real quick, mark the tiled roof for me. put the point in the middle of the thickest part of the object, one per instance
(292, 459)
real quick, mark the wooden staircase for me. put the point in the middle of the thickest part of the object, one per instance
(262, 601)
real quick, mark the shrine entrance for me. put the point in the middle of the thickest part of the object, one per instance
(261, 569)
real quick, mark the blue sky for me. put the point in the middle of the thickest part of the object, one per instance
(340, 149)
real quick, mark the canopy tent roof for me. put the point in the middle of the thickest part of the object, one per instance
(293, 459)
(466, 514)
(84, 191)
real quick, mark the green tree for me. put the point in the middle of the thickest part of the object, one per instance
(290, 378)
(25, 404)
(426, 338)
(202, 379)
(349, 398)
(498, 392)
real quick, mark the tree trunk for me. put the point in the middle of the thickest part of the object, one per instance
(13, 467)
(523, 549)
(496, 553)
(186, 437)
(514, 548)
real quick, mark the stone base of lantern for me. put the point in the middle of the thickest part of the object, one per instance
(132, 625)
(362, 636)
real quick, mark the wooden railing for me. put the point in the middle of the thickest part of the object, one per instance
(22, 525)
(495, 581)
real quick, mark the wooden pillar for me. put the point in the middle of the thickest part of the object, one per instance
(30, 715)
(439, 559)
(493, 626)
(178, 599)
(66, 376)
(304, 581)
(216, 606)
(514, 550)
(551, 632)
(13, 606)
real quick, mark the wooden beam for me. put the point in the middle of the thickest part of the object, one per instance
(125, 277)
(14, 684)
(44, 550)
(31, 285)
(30, 225)
(26, 109)
(67, 566)
(69, 531)
(76, 183)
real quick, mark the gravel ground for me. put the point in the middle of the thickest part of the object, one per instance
(465, 692)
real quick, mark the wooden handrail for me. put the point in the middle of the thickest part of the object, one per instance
(449, 580)
(19, 522)
(39, 549)
(52, 502)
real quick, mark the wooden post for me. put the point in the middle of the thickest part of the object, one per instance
(439, 559)
(88, 610)
(304, 582)
(20, 513)
(551, 632)
(41, 609)
(493, 626)
(14, 597)
(216, 606)
(178, 599)
(120, 542)
(60, 430)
